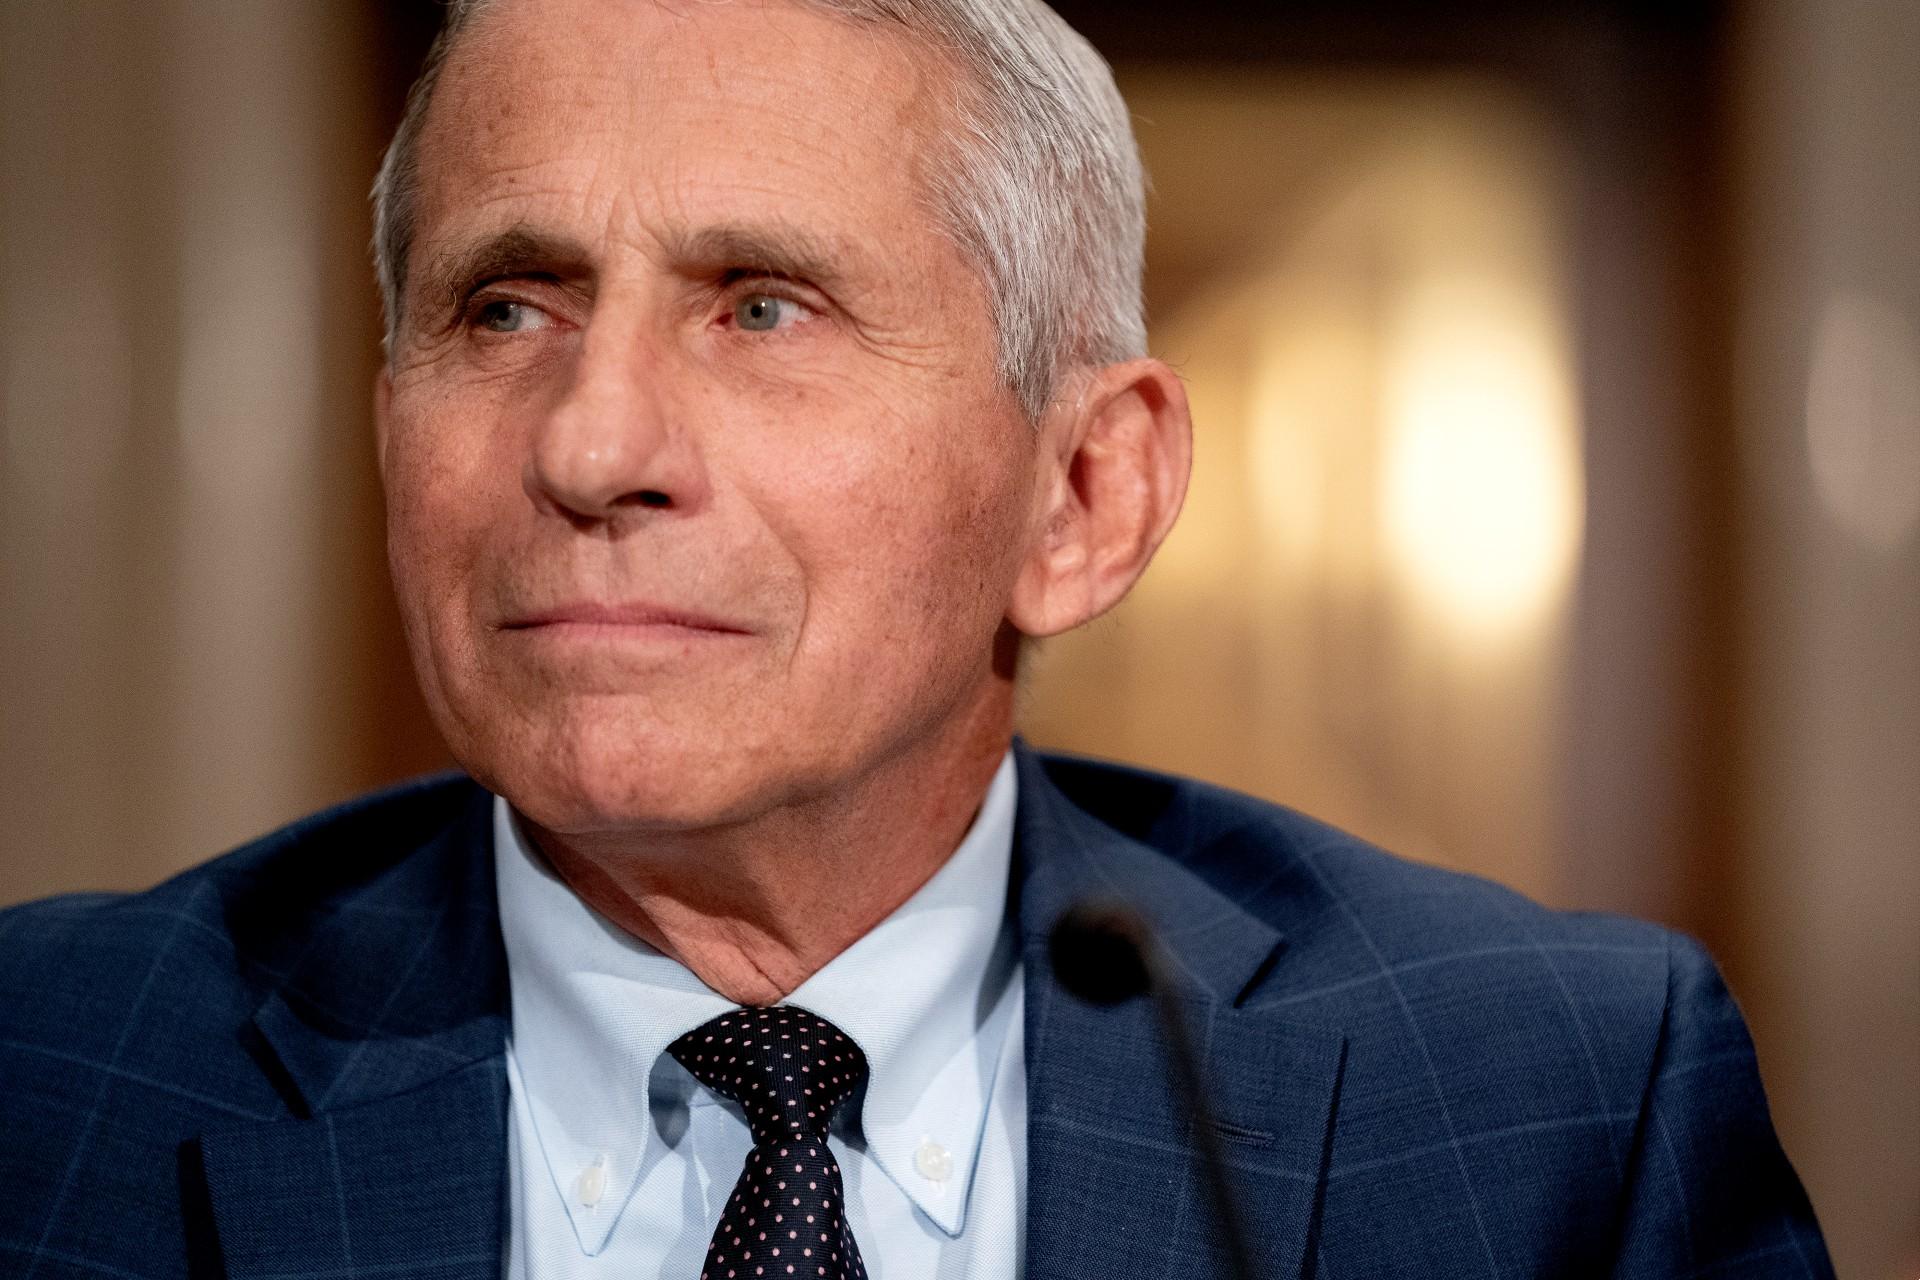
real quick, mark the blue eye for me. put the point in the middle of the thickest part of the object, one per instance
(505, 316)
(760, 312)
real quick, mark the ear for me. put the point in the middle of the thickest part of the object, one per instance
(1116, 454)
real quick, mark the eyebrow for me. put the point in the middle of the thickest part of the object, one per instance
(453, 272)
(782, 250)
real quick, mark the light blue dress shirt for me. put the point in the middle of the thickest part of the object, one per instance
(619, 1162)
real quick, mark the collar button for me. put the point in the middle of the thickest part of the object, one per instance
(933, 1161)
(592, 1183)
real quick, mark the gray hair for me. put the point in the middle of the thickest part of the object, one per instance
(1044, 192)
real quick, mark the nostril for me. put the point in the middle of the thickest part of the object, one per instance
(653, 498)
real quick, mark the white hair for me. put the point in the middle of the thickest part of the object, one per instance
(1043, 192)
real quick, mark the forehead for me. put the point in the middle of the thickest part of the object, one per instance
(637, 115)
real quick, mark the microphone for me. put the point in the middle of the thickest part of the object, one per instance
(1105, 953)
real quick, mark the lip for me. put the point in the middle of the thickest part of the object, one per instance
(636, 616)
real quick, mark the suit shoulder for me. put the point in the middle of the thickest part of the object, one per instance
(1345, 903)
(73, 962)
(127, 1021)
(1497, 1055)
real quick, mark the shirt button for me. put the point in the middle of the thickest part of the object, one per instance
(934, 1162)
(591, 1184)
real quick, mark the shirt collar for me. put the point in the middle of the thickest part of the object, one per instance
(927, 994)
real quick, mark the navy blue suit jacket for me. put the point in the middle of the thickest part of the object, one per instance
(288, 1062)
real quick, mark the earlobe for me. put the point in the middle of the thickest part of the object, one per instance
(1117, 475)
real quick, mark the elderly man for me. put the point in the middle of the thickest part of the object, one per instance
(761, 377)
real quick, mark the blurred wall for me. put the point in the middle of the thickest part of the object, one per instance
(195, 645)
(1365, 607)
(1826, 231)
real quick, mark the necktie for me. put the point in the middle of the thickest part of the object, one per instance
(789, 1070)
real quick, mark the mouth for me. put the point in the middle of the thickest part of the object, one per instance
(634, 618)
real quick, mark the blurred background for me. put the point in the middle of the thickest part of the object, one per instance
(1556, 513)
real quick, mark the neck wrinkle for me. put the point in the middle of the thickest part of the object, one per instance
(754, 919)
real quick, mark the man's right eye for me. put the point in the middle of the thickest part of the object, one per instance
(503, 315)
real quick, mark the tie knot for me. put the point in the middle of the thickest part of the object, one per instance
(787, 1068)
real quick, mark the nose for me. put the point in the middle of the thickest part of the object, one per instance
(612, 448)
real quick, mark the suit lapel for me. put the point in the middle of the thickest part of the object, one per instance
(1112, 1186)
(407, 1186)
(387, 1037)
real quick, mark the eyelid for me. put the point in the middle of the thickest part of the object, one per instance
(746, 284)
(489, 292)
(522, 286)
(746, 279)
(733, 286)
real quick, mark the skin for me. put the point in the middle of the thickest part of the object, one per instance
(713, 527)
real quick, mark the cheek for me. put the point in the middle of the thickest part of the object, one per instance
(907, 532)
(440, 488)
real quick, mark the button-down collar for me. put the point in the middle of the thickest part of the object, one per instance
(925, 994)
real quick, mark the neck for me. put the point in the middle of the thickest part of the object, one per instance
(756, 908)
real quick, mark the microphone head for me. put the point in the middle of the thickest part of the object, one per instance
(1099, 952)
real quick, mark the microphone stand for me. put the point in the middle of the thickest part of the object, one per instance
(1105, 953)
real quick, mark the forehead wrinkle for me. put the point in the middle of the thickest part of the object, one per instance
(601, 152)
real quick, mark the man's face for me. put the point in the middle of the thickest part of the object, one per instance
(704, 493)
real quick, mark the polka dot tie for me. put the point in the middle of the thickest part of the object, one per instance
(789, 1070)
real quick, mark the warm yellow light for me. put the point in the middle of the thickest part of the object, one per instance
(1483, 489)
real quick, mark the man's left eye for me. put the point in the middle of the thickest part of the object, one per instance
(763, 313)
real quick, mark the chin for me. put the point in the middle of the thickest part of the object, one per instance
(599, 774)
